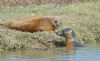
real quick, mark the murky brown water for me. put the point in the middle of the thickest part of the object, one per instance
(91, 53)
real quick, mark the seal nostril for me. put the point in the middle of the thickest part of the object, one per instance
(59, 23)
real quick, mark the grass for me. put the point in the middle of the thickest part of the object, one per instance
(84, 18)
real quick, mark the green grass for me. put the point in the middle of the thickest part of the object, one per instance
(84, 18)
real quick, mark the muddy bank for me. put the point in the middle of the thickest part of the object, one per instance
(13, 39)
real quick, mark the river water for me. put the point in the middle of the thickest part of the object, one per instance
(90, 53)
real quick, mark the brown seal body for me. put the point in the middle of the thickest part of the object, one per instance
(33, 24)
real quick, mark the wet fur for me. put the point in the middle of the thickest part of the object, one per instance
(71, 39)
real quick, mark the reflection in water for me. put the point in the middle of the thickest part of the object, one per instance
(58, 54)
(70, 51)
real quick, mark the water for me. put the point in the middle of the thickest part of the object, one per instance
(91, 53)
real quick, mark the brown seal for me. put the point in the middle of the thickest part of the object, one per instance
(33, 24)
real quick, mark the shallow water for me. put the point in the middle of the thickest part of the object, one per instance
(91, 53)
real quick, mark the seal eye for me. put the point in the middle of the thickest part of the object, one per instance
(56, 21)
